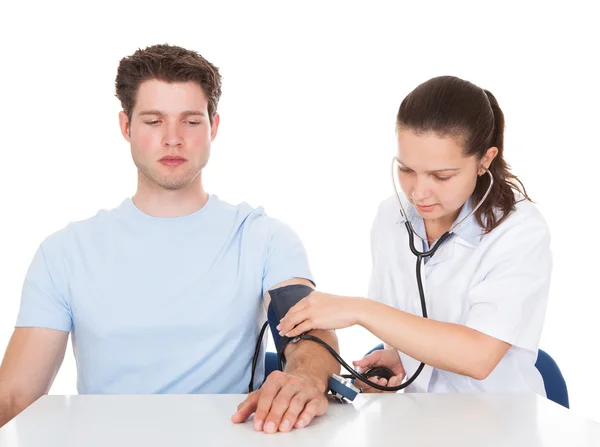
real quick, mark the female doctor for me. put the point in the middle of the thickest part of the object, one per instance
(485, 288)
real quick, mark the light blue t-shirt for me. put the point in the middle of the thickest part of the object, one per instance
(162, 305)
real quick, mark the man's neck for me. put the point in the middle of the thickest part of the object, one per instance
(160, 202)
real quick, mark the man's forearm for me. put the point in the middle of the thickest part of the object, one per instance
(3, 412)
(8, 409)
(309, 360)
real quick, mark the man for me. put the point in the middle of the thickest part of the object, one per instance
(166, 292)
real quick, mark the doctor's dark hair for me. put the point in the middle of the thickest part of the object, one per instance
(452, 107)
(168, 63)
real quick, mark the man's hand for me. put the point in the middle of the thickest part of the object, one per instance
(284, 401)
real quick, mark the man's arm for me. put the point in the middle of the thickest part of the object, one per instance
(308, 359)
(294, 397)
(31, 362)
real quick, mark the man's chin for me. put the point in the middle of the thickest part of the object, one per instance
(174, 184)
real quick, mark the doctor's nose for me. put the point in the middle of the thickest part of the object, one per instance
(420, 192)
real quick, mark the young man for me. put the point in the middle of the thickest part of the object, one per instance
(166, 292)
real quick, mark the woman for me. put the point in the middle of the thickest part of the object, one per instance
(486, 287)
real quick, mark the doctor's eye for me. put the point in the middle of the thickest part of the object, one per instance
(442, 179)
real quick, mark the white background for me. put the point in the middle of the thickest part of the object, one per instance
(309, 100)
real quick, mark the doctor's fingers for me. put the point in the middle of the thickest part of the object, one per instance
(394, 381)
(367, 361)
(292, 319)
(366, 388)
(299, 305)
(301, 328)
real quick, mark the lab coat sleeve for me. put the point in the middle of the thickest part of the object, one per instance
(508, 301)
(374, 283)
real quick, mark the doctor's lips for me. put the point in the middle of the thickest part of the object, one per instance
(172, 160)
(425, 207)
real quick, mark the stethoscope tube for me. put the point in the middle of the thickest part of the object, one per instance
(420, 257)
(353, 373)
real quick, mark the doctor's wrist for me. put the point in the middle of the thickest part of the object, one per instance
(361, 310)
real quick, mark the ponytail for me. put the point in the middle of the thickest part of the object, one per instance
(501, 201)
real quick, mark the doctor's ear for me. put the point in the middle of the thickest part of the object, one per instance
(487, 159)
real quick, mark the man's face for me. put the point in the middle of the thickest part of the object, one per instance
(170, 133)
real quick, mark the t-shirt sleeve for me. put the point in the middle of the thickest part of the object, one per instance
(509, 302)
(286, 257)
(44, 298)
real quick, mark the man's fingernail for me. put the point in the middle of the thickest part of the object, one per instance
(285, 424)
(258, 424)
(270, 427)
(278, 326)
(300, 423)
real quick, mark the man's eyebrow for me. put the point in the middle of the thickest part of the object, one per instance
(184, 113)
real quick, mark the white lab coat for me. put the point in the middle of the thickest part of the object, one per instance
(497, 284)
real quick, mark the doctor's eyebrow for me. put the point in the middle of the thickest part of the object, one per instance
(435, 171)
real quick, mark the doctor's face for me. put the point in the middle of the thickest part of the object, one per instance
(434, 174)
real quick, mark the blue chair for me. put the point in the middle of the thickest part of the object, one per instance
(270, 363)
(554, 382)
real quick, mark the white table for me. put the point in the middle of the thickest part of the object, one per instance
(371, 420)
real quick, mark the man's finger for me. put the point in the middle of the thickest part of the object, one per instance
(315, 407)
(280, 404)
(268, 393)
(293, 412)
(246, 408)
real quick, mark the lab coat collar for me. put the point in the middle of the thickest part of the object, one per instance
(469, 231)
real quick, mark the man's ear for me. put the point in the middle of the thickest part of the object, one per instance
(214, 126)
(124, 125)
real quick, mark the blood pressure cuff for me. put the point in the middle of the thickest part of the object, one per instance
(282, 300)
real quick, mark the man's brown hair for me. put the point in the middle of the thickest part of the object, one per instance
(166, 63)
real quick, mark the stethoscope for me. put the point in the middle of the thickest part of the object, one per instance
(340, 383)
(421, 255)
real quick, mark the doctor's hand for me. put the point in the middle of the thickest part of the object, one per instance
(284, 401)
(382, 357)
(320, 311)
